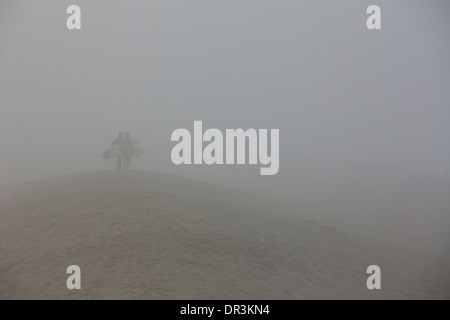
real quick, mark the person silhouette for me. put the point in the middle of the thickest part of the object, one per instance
(118, 142)
(127, 151)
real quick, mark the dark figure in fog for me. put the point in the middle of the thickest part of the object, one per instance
(118, 143)
(127, 151)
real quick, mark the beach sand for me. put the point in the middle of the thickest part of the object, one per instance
(145, 235)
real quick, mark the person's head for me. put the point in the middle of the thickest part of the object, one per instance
(120, 134)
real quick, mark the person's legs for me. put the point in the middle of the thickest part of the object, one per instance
(126, 160)
(119, 162)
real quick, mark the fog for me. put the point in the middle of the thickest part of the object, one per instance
(363, 115)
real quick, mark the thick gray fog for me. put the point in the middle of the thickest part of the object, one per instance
(351, 104)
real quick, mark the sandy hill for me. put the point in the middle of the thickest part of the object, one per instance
(144, 235)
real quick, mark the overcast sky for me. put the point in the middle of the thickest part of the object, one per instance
(336, 91)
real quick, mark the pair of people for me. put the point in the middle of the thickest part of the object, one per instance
(125, 146)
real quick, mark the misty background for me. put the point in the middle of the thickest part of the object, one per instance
(363, 115)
